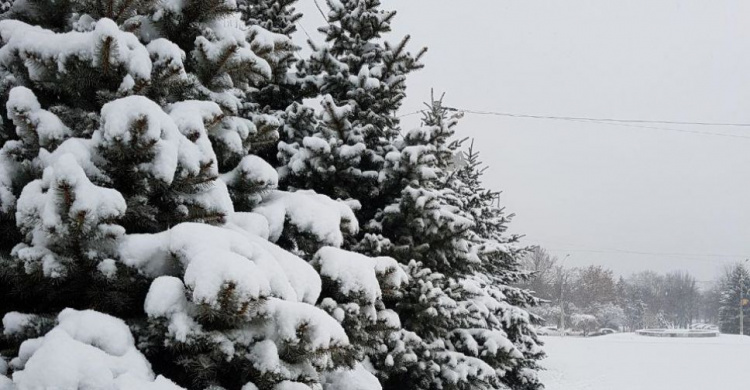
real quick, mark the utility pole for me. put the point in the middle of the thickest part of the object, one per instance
(562, 304)
(742, 298)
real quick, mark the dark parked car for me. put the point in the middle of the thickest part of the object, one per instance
(602, 332)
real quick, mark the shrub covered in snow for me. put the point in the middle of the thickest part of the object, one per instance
(584, 322)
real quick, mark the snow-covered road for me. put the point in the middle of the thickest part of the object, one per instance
(631, 362)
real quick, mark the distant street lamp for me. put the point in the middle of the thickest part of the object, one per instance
(562, 306)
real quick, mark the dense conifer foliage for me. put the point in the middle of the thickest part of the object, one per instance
(174, 215)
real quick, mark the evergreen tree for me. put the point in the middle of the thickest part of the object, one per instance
(284, 86)
(326, 159)
(734, 287)
(355, 289)
(364, 81)
(500, 250)
(424, 220)
(148, 244)
(276, 16)
(125, 151)
(499, 271)
(288, 85)
(458, 301)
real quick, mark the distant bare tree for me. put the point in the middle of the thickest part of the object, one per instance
(594, 286)
(681, 299)
(542, 265)
(711, 303)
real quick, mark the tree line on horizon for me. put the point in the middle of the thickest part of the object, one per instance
(594, 297)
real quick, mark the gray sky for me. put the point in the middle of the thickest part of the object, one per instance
(588, 189)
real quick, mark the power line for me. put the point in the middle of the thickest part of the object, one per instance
(304, 30)
(665, 129)
(579, 248)
(410, 114)
(633, 123)
(646, 253)
(321, 11)
(575, 118)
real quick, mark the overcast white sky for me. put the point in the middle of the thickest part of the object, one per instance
(586, 189)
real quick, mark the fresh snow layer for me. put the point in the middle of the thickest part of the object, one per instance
(356, 379)
(356, 273)
(631, 362)
(26, 112)
(43, 46)
(15, 322)
(248, 223)
(86, 350)
(309, 212)
(40, 213)
(212, 256)
(172, 148)
(253, 169)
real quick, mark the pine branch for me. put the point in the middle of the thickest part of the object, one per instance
(123, 7)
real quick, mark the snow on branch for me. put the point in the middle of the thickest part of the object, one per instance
(311, 213)
(86, 350)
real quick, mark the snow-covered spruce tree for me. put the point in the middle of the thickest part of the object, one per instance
(354, 286)
(354, 290)
(424, 220)
(285, 85)
(490, 220)
(288, 85)
(126, 136)
(500, 269)
(72, 74)
(326, 159)
(276, 16)
(341, 152)
(732, 285)
(472, 325)
(180, 58)
(363, 79)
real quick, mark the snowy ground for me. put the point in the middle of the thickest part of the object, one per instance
(631, 362)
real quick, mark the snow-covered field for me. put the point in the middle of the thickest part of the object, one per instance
(631, 362)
